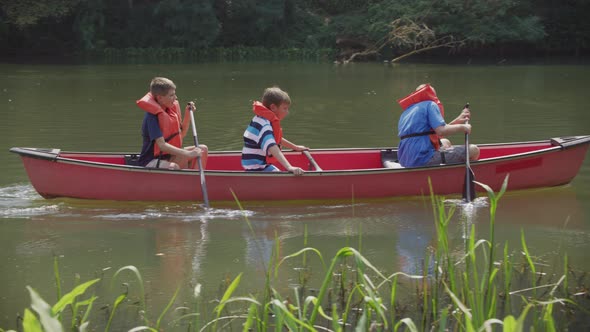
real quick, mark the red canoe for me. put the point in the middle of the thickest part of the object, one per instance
(345, 174)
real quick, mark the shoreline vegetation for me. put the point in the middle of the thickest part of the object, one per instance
(485, 287)
(238, 54)
(353, 30)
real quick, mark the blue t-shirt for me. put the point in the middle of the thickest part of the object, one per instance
(150, 130)
(420, 117)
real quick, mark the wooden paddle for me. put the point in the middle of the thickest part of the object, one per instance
(203, 184)
(469, 186)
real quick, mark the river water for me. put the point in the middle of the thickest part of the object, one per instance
(91, 108)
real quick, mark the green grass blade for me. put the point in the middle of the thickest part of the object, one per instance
(143, 328)
(228, 293)
(304, 253)
(288, 318)
(548, 318)
(509, 324)
(83, 327)
(116, 304)
(57, 277)
(361, 326)
(251, 318)
(139, 279)
(89, 303)
(167, 307)
(48, 321)
(335, 319)
(226, 296)
(528, 257)
(70, 297)
(31, 323)
(409, 323)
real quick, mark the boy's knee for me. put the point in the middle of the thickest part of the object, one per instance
(445, 143)
(173, 166)
(473, 152)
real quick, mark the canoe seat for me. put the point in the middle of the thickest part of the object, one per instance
(132, 159)
(389, 159)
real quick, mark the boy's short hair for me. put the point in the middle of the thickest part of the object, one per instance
(161, 85)
(276, 96)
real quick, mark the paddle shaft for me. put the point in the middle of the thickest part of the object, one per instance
(467, 166)
(201, 171)
(312, 161)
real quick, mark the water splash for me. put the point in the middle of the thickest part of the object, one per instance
(27, 212)
(469, 208)
(21, 201)
(468, 212)
(177, 212)
(17, 193)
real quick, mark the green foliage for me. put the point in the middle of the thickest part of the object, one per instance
(25, 13)
(65, 27)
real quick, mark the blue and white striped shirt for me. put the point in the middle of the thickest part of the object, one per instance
(258, 138)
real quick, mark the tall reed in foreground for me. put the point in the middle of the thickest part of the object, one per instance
(468, 291)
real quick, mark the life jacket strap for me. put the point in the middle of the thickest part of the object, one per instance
(424, 133)
(167, 139)
(165, 156)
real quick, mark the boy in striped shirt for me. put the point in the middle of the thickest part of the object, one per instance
(264, 134)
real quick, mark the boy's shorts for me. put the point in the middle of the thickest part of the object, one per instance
(268, 168)
(452, 155)
(154, 163)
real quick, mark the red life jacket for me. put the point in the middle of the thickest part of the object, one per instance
(169, 121)
(423, 94)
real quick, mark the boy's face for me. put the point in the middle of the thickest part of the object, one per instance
(167, 100)
(281, 111)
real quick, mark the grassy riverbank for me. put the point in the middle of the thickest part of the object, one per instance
(487, 284)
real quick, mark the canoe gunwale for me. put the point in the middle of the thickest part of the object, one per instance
(37, 153)
(558, 143)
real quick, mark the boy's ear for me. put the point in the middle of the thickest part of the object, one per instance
(273, 107)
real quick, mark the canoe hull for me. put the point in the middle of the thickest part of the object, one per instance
(53, 176)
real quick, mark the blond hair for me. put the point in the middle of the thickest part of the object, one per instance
(160, 86)
(274, 95)
(423, 85)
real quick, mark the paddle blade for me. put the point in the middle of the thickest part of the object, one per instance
(469, 186)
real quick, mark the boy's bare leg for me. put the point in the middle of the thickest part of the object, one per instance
(193, 164)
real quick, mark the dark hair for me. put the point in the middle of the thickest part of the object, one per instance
(161, 85)
(276, 96)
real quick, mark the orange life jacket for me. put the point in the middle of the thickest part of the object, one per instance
(169, 121)
(423, 94)
(262, 111)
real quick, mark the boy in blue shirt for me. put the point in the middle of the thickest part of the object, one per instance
(163, 130)
(424, 118)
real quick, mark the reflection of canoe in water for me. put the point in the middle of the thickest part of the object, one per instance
(346, 173)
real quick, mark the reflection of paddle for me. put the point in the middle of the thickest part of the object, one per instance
(203, 184)
(312, 161)
(469, 186)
